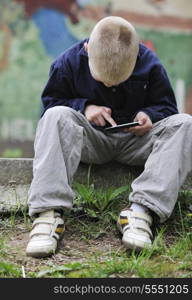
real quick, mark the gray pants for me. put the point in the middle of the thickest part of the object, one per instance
(64, 138)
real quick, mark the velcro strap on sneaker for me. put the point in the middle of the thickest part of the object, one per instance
(41, 229)
(137, 229)
(134, 222)
(139, 224)
(142, 216)
(53, 227)
(137, 215)
(43, 220)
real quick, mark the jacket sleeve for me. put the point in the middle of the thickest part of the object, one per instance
(160, 100)
(60, 89)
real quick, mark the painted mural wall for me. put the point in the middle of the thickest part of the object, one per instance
(34, 32)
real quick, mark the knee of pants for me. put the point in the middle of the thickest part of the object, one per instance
(58, 112)
(181, 118)
(186, 118)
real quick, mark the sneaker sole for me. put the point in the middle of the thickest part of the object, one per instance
(135, 244)
(40, 253)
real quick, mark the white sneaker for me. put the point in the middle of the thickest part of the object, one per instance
(135, 227)
(47, 230)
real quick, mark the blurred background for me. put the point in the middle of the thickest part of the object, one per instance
(34, 32)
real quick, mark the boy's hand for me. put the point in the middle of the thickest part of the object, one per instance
(145, 124)
(99, 115)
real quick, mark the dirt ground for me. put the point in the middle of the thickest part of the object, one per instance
(72, 248)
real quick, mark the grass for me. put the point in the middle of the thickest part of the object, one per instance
(160, 261)
(93, 245)
(7, 269)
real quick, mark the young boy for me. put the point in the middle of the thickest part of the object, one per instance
(102, 81)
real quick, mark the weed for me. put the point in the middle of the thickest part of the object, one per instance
(98, 202)
(159, 244)
(9, 270)
(2, 248)
(6, 268)
(181, 218)
(181, 248)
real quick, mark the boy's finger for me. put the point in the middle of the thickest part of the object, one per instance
(109, 119)
(143, 121)
(108, 110)
(100, 121)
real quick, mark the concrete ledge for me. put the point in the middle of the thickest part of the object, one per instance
(19, 171)
(15, 170)
(16, 176)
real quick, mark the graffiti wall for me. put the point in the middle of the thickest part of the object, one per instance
(34, 32)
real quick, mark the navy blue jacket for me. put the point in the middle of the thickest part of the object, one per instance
(148, 89)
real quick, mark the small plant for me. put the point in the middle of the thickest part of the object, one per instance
(16, 208)
(97, 202)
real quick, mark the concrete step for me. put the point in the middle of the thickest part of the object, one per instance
(16, 176)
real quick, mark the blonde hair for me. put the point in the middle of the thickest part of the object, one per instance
(112, 49)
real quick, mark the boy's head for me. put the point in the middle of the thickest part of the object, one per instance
(112, 50)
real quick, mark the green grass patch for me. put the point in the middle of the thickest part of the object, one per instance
(8, 270)
(159, 261)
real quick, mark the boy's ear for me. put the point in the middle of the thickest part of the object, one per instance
(86, 46)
